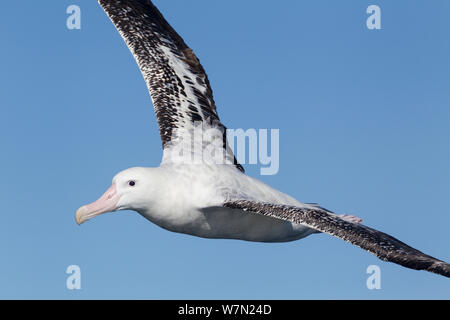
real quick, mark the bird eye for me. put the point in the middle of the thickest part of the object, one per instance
(132, 183)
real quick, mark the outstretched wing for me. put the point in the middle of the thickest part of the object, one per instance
(382, 245)
(178, 85)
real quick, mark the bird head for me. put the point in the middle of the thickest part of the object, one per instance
(128, 191)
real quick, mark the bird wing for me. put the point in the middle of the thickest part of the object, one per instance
(380, 244)
(178, 84)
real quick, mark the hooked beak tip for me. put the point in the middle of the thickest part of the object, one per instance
(79, 215)
(106, 203)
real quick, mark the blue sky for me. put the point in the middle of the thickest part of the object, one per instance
(364, 129)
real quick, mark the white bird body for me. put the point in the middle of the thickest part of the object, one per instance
(188, 198)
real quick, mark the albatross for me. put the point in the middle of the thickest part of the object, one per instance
(213, 198)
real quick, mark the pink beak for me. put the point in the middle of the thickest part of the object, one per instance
(106, 203)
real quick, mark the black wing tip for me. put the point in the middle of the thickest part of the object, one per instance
(440, 267)
(425, 263)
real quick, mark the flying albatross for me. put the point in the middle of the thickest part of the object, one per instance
(213, 199)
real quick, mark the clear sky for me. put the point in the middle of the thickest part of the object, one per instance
(364, 119)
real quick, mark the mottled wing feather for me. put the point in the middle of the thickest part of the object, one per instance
(178, 84)
(382, 245)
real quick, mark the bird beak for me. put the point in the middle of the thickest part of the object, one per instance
(106, 203)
